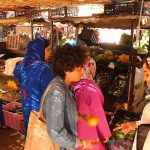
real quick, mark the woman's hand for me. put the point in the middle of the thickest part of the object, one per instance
(88, 144)
(106, 139)
(126, 127)
(109, 113)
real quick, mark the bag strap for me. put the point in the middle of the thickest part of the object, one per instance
(40, 114)
(142, 133)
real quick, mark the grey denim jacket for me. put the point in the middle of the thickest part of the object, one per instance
(59, 110)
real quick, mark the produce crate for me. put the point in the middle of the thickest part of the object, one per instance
(121, 114)
(12, 119)
(119, 145)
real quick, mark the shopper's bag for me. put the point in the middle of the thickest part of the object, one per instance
(143, 137)
(37, 136)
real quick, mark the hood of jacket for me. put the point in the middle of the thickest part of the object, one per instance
(35, 51)
(33, 62)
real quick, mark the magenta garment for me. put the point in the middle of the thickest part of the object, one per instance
(90, 100)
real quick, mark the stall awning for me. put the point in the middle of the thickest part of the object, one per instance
(10, 21)
(123, 22)
(50, 3)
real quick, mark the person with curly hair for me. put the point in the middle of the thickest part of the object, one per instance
(59, 106)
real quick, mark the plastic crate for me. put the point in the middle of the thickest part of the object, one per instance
(121, 114)
(13, 120)
(126, 7)
(109, 9)
(122, 7)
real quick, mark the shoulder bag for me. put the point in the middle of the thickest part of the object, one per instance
(37, 136)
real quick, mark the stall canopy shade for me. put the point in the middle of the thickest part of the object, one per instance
(49, 3)
(10, 21)
(123, 22)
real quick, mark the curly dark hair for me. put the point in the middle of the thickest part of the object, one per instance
(67, 57)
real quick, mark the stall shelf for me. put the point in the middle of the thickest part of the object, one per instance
(109, 21)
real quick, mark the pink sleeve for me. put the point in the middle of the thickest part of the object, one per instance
(98, 110)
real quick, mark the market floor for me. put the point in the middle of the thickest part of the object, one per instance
(10, 139)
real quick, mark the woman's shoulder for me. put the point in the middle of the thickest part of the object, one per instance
(56, 84)
(55, 89)
(42, 66)
(92, 86)
(42, 63)
(85, 85)
(92, 89)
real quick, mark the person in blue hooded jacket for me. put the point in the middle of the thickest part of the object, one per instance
(34, 74)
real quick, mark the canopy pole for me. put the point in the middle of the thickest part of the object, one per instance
(31, 29)
(52, 44)
(139, 26)
(131, 70)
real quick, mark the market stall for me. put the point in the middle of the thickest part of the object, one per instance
(116, 63)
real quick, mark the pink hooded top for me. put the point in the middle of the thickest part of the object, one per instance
(90, 101)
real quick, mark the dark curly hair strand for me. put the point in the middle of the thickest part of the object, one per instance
(67, 57)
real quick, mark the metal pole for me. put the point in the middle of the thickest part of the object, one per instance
(31, 29)
(132, 69)
(149, 45)
(77, 32)
(66, 13)
(57, 36)
(52, 44)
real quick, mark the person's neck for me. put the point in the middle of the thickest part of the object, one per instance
(67, 81)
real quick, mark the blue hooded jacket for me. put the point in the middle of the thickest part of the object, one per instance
(34, 75)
